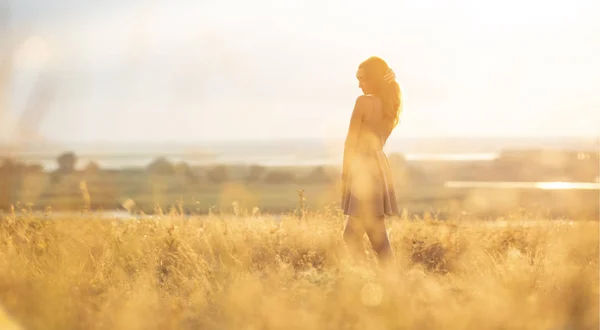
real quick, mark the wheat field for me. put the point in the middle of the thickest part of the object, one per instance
(228, 272)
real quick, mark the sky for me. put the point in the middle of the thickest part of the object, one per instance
(177, 71)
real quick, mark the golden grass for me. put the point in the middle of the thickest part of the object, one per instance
(261, 273)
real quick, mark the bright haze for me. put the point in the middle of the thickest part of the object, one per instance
(184, 71)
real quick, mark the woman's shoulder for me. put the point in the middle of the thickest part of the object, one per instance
(364, 103)
(369, 101)
(366, 99)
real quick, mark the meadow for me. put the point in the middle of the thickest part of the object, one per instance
(231, 271)
(420, 188)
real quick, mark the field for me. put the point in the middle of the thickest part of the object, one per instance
(418, 193)
(229, 272)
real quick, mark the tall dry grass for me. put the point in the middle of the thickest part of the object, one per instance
(252, 273)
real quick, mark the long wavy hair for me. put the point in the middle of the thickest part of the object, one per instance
(374, 69)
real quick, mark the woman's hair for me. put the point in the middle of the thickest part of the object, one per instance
(388, 92)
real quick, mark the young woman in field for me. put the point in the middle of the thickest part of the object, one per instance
(368, 191)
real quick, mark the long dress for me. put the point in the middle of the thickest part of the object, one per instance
(368, 189)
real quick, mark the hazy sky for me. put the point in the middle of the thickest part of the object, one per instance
(174, 70)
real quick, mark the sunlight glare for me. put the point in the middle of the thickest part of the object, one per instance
(567, 185)
(33, 53)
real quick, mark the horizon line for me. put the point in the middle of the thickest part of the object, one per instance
(297, 139)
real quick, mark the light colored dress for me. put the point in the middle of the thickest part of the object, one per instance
(368, 189)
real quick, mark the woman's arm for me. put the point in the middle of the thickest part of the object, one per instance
(361, 105)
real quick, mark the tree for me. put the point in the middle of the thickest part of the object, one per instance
(218, 174)
(161, 166)
(256, 173)
(280, 177)
(318, 175)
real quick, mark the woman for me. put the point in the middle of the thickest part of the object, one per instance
(368, 194)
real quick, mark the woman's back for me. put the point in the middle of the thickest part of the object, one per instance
(375, 127)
